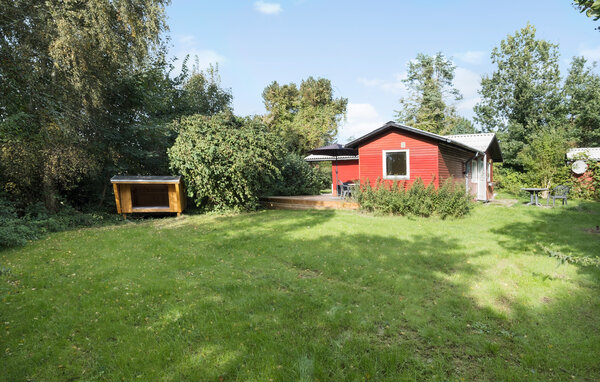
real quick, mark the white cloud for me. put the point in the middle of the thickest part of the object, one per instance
(188, 45)
(468, 82)
(203, 57)
(592, 54)
(268, 8)
(370, 83)
(395, 86)
(474, 57)
(361, 118)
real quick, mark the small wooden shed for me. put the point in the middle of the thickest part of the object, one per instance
(146, 194)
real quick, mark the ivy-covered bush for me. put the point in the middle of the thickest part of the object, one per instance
(297, 177)
(451, 199)
(586, 186)
(227, 162)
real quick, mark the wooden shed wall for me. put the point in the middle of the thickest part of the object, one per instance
(423, 156)
(452, 162)
(125, 200)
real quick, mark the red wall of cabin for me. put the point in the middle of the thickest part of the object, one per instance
(423, 157)
(347, 172)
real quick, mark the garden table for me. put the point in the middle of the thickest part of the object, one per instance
(533, 191)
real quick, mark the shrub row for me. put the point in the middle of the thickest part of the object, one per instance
(451, 199)
(17, 226)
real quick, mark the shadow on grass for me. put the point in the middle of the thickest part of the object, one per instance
(565, 229)
(263, 296)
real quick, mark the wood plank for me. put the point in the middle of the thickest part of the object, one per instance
(172, 198)
(150, 209)
(117, 197)
(125, 195)
(178, 194)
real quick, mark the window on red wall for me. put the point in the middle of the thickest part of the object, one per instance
(396, 164)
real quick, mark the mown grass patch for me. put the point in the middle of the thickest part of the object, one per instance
(307, 295)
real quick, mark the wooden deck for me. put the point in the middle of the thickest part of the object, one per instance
(305, 202)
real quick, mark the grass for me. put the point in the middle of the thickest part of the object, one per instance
(307, 295)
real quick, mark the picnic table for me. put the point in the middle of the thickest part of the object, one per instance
(533, 192)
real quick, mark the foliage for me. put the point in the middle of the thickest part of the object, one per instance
(20, 225)
(508, 179)
(419, 200)
(570, 258)
(590, 7)
(305, 118)
(586, 186)
(462, 125)
(582, 96)
(429, 106)
(226, 161)
(202, 93)
(62, 63)
(522, 95)
(297, 177)
(544, 157)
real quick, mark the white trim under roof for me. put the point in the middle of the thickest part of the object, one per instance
(592, 153)
(327, 158)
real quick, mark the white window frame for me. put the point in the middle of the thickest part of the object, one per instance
(384, 165)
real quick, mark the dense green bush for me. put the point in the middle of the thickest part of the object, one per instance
(297, 177)
(227, 162)
(450, 199)
(509, 180)
(17, 226)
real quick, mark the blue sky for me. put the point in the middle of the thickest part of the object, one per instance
(363, 46)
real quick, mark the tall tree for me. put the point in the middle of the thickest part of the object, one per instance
(203, 94)
(523, 94)
(582, 95)
(61, 65)
(305, 117)
(429, 105)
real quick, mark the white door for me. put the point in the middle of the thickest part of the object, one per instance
(481, 179)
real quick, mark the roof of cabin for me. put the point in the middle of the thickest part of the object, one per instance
(145, 179)
(327, 158)
(478, 143)
(592, 153)
(482, 142)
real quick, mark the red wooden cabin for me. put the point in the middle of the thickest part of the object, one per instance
(396, 152)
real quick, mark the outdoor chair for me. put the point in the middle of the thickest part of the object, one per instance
(344, 189)
(559, 192)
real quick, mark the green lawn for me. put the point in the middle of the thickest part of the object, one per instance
(307, 295)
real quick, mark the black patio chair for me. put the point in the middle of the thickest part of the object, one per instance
(558, 192)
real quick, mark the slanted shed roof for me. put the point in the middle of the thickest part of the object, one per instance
(477, 143)
(482, 142)
(327, 158)
(145, 179)
(592, 153)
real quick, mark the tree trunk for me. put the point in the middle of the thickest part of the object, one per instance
(50, 193)
(103, 195)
